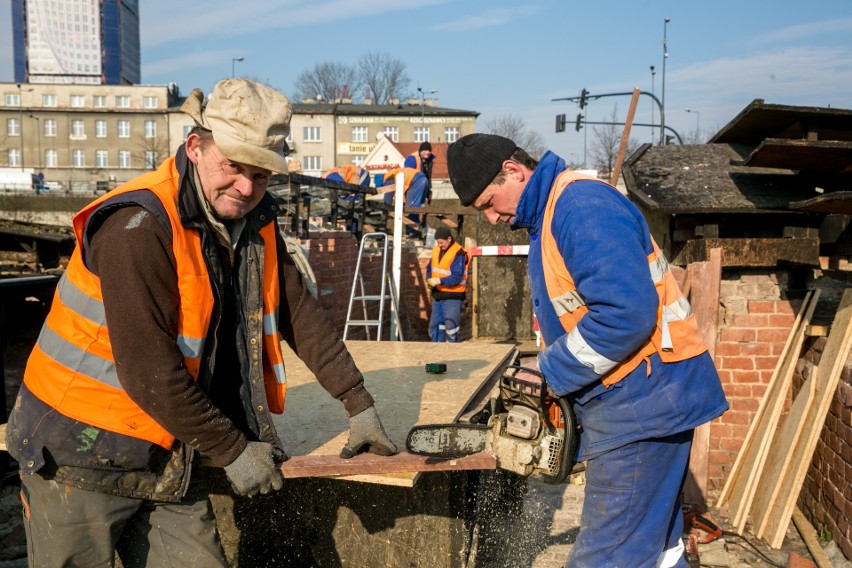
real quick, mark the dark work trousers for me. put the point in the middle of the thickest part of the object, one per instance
(631, 512)
(67, 526)
(444, 321)
(415, 196)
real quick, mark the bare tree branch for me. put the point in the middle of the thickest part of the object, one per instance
(605, 142)
(512, 127)
(329, 80)
(385, 76)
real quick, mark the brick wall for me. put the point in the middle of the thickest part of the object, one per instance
(826, 497)
(755, 320)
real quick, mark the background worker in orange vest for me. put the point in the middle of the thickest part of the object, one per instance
(415, 186)
(446, 275)
(422, 160)
(163, 343)
(356, 175)
(622, 343)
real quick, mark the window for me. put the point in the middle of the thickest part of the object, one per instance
(50, 127)
(124, 158)
(51, 158)
(48, 100)
(312, 163)
(392, 132)
(359, 133)
(78, 158)
(150, 160)
(122, 101)
(421, 133)
(150, 129)
(149, 102)
(13, 127)
(101, 159)
(13, 100)
(358, 160)
(13, 157)
(451, 134)
(100, 129)
(78, 129)
(186, 130)
(78, 101)
(124, 129)
(99, 101)
(312, 134)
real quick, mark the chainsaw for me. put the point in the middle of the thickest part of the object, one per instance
(528, 431)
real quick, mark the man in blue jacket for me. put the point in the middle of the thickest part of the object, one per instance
(446, 276)
(622, 344)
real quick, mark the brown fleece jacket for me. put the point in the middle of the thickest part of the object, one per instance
(132, 255)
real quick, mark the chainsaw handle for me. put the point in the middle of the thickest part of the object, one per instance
(566, 464)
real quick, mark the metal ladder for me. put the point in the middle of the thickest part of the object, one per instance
(387, 291)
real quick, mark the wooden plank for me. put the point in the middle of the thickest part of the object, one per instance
(827, 376)
(809, 535)
(2, 438)
(404, 462)
(739, 487)
(315, 424)
(705, 305)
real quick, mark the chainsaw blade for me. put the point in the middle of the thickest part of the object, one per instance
(447, 440)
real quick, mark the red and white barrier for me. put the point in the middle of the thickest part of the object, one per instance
(500, 250)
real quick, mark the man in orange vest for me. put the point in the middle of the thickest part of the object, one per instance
(415, 186)
(163, 344)
(421, 160)
(622, 343)
(446, 275)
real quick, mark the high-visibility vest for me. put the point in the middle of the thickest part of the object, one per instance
(350, 173)
(72, 367)
(676, 336)
(408, 174)
(441, 267)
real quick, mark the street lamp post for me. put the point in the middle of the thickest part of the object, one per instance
(697, 121)
(663, 104)
(422, 107)
(653, 72)
(234, 60)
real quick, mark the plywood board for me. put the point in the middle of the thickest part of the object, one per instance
(315, 424)
(740, 486)
(825, 380)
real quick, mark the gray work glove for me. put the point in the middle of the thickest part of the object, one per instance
(255, 470)
(365, 429)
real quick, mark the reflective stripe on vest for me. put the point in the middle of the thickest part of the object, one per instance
(676, 336)
(72, 367)
(441, 267)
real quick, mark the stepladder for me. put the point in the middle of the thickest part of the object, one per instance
(371, 295)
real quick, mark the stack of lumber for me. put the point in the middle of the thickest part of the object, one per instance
(770, 469)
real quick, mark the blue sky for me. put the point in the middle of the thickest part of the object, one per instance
(498, 57)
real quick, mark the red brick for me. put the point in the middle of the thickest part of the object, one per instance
(772, 335)
(739, 334)
(751, 349)
(754, 321)
(726, 349)
(763, 363)
(738, 390)
(736, 363)
(782, 320)
(761, 307)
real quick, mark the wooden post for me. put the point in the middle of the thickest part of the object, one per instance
(625, 136)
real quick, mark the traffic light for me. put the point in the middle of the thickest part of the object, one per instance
(560, 123)
(579, 124)
(584, 94)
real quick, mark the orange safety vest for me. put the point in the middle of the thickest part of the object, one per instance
(350, 173)
(408, 173)
(441, 267)
(72, 367)
(676, 336)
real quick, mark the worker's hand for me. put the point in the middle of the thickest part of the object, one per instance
(432, 282)
(366, 432)
(255, 471)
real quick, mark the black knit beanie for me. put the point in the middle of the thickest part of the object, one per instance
(425, 146)
(474, 161)
(442, 233)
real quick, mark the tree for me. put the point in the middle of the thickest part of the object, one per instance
(512, 126)
(384, 75)
(606, 139)
(328, 80)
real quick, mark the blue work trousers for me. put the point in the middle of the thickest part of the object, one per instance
(445, 320)
(631, 512)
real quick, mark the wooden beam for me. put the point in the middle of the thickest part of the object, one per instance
(809, 535)
(370, 464)
(751, 252)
